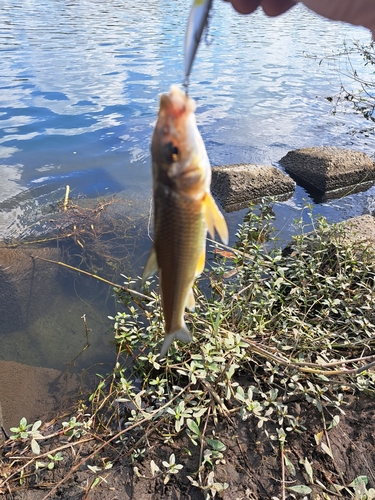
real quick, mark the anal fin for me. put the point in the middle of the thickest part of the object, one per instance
(201, 261)
(151, 266)
(190, 301)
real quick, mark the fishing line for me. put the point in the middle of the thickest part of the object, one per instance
(185, 85)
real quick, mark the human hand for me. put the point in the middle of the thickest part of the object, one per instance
(357, 12)
(270, 7)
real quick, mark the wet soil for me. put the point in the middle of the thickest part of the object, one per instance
(33, 392)
(251, 464)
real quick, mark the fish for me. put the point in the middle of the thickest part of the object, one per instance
(184, 210)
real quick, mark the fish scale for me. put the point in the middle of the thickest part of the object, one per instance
(180, 225)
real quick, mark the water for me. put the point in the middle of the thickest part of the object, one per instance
(80, 83)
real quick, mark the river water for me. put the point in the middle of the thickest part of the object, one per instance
(79, 89)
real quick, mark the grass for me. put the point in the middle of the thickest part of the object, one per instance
(271, 328)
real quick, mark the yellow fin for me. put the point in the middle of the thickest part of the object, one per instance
(215, 219)
(201, 261)
(190, 301)
(151, 266)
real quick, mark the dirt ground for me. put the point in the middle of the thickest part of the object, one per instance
(251, 466)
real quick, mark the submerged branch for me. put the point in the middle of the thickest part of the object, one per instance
(99, 278)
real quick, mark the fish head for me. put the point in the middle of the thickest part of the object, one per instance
(179, 156)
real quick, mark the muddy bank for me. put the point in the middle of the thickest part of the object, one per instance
(251, 469)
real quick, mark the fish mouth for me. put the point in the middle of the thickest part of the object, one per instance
(176, 103)
(174, 142)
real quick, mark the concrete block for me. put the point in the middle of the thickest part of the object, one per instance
(329, 172)
(236, 186)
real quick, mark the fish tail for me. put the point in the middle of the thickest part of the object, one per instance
(182, 334)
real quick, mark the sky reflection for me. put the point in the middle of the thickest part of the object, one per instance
(80, 84)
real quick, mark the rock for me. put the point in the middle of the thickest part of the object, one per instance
(360, 229)
(27, 285)
(236, 186)
(329, 172)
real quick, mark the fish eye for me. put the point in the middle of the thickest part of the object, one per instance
(170, 152)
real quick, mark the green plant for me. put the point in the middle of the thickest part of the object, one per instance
(210, 488)
(28, 431)
(361, 492)
(138, 454)
(180, 413)
(273, 331)
(53, 460)
(172, 467)
(313, 303)
(73, 428)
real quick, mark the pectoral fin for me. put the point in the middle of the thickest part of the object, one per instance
(215, 220)
(151, 266)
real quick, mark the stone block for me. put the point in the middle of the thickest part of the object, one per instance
(329, 172)
(236, 186)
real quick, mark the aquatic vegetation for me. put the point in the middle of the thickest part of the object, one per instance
(98, 235)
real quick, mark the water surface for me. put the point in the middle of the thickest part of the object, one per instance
(80, 83)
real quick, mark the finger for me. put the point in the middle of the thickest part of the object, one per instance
(276, 7)
(245, 6)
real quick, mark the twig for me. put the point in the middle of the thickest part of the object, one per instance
(214, 395)
(282, 471)
(305, 367)
(33, 459)
(99, 278)
(66, 198)
(150, 218)
(145, 436)
(202, 443)
(87, 329)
